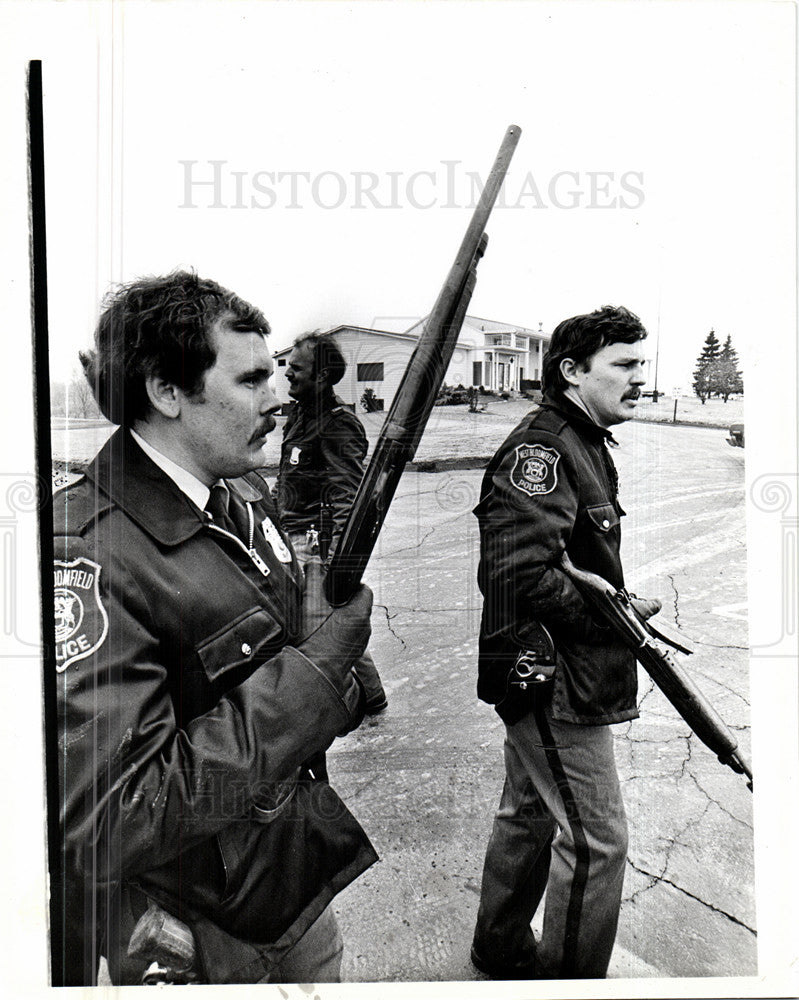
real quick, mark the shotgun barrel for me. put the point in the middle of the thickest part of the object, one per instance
(416, 395)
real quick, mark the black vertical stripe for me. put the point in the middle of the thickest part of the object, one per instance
(581, 850)
(59, 961)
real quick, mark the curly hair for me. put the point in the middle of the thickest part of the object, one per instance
(580, 337)
(326, 354)
(159, 326)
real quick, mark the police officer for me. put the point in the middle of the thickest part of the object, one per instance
(321, 465)
(560, 829)
(195, 676)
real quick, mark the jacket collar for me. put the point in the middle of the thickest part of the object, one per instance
(576, 415)
(146, 493)
(320, 407)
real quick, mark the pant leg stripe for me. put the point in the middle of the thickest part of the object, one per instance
(581, 850)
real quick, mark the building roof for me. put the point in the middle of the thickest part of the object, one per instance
(480, 325)
(354, 329)
(493, 326)
(471, 324)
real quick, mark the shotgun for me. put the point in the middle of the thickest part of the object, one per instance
(414, 399)
(616, 610)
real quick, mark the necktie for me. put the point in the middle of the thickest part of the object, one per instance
(238, 524)
(217, 507)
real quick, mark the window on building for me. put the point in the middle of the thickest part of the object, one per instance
(371, 371)
(281, 362)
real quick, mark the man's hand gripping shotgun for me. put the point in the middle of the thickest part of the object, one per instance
(615, 608)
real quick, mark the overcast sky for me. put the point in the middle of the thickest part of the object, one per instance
(320, 159)
(656, 169)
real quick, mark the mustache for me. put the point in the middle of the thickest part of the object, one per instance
(265, 427)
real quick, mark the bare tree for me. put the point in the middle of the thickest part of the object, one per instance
(81, 400)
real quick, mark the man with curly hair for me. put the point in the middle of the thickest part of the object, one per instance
(558, 678)
(196, 673)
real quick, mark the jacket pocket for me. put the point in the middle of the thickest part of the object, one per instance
(603, 516)
(253, 635)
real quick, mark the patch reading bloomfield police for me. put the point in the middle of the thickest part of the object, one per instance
(81, 623)
(535, 470)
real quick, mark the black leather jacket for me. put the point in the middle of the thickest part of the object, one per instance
(185, 715)
(552, 487)
(321, 459)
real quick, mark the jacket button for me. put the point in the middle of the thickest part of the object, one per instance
(246, 648)
(606, 523)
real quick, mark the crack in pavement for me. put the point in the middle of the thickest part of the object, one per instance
(676, 602)
(414, 492)
(716, 803)
(671, 842)
(721, 684)
(657, 741)
(687, 760)
(389, 626)
(653, 881)
(411, 548)
(719, 645)
(648, 692)
(659, 878)
(415, 610)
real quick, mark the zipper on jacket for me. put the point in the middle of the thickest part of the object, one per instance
(260, 564)
(257, 561)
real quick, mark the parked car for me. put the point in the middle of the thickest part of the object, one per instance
(736, 438)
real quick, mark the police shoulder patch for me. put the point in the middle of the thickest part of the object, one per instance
(81, 622)
(535, 469)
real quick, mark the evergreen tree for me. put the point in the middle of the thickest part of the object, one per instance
(728, 380)
(705, 372)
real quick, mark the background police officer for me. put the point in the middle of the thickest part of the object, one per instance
(321, 465)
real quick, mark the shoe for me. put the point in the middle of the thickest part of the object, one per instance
(527, 968)
(377, 705)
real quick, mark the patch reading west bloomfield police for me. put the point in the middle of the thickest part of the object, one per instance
(535, 470)
(81, 623)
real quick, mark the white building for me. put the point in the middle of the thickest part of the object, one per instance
(498, 356)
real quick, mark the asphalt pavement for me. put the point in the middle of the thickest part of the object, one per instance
(424, 779)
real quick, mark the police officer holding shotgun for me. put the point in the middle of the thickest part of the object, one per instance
(196, 672)
(556, 676)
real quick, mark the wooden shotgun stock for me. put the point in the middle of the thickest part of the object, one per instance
(416, 395)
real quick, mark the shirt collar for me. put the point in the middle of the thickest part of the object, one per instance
(123, 471)
(187, 483)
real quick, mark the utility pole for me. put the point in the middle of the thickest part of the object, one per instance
(655, 393)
